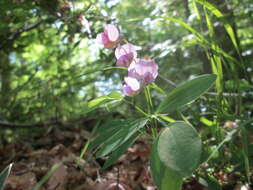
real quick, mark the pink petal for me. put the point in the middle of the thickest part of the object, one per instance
(125, 49)
(125, 60)
(133, 83)
(112, 32)
(99, 38)
(102, 38)
(143, 70)
(127, 90)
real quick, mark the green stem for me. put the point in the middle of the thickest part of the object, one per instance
(47, 176)
(175, 184)
(147, 99)
(245, 153)
(137, 108)
(150, 110)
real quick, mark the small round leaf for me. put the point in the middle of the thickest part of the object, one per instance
(179, 148)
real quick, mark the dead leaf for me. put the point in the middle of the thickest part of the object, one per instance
(22, 182)
(58, 180)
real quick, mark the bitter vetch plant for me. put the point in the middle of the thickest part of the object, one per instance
(177, 148)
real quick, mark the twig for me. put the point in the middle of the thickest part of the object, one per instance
(227, 94)
(16, 35)
(167, 80)
(80, 119)
(8, 125)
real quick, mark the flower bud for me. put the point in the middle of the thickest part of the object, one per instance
(125, 55)
(131, 87)
(143, 70)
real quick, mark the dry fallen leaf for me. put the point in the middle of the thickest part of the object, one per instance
(109, 185)
(58, 180)
(21, 182)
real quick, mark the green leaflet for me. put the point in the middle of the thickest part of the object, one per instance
(105, 132)
(93, 104)
(120, 151)
(117, 136)
(164, 178)
(127, 130)
(179, 148)
(186, 93)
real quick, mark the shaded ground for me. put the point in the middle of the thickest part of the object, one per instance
(33, 156)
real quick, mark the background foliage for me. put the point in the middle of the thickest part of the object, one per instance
(51, 66)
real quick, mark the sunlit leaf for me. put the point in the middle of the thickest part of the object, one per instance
(186, 93)
(93, 104)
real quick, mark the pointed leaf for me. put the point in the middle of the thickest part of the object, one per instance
(186, 93)
(125, 132)
(119, 152)
(93, 104)
(106, 131)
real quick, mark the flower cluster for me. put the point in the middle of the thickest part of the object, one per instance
(141, 72)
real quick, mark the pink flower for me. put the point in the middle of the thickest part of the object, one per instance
(143, 70)
(125, 60)
(110, 37)
(131, 87)
(125, 55)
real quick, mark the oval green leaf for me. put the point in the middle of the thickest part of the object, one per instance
(164, 178)
(186, 93)
(179, 148)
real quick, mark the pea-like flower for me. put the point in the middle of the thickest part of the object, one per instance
(131, 87)
(125, 55)
(144, 71)
(110, 37)
(141, 72)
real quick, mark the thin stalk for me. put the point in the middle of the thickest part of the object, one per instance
(245, 153)
(184, 118)
(147, 100)
(150, 110)
(47, 176)
(137, 108)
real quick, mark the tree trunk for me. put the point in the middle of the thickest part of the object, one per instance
(5, 82)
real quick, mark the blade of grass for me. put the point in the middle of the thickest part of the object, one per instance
(196, 10)
(229, 136)
(227, 26)
(245, 151)
(47, 176)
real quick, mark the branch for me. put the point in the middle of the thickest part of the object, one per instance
(16, 35)
(227, 94)
(81, 120)
(7, 125)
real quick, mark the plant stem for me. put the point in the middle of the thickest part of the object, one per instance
(137, 108)
(150, 110)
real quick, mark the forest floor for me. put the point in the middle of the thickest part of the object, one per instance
(33, 156)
